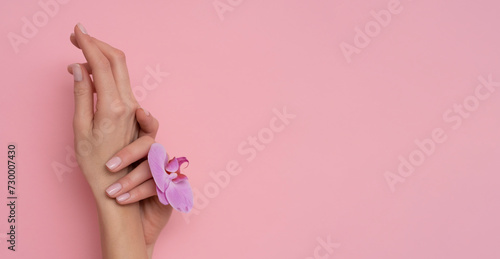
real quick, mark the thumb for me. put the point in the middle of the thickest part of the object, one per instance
(149, 125)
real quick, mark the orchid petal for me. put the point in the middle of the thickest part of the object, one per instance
(182, 160)
(172, 166)
(161, 196)
(179, 178)
(156, 159)
(180, 196)
(171, 176)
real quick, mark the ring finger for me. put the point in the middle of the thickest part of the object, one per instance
(141, 192)
(139, 175)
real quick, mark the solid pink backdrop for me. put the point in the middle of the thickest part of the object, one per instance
(320, 177)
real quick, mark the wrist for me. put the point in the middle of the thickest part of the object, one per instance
(120, 225)
(100, 179)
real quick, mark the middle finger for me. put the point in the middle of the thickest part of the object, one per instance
(104, 81)
(118, 64)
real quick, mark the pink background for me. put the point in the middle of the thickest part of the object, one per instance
(319, 177)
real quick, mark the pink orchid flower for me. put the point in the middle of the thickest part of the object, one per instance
(172, 187)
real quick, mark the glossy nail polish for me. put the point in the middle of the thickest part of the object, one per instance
(80, 26)
(77, 72)
(114, 162)
(123, 197)
(114, 188)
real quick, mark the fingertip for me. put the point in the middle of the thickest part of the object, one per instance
(122, 199)
(120, 202)
(80, 35)
(144, 118)
(142, 113)
(114, 189)
(81, 28)
(76, 70)
(147, 122)
(75, 30)
(73, 40)
(114, 163)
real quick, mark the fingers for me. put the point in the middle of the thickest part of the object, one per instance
(131, 180)
(148, 124)
(84, 99)
(130, 154)
(140, 147)
(87, 68)
(118, 64)
(141, 192)
(101, 69)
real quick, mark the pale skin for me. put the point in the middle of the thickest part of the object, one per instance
(130, 214)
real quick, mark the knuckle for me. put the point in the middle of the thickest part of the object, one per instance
(119, 109)
(118, 55)
(131, 105)
(81, 91)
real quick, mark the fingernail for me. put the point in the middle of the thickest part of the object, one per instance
(80, 26)
(114, 188)
(145, 112)
(123, 197)
(77, 72)
(114, 162)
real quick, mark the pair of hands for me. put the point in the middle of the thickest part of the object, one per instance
(113, 136)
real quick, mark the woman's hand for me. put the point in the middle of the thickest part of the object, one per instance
(138, 185)
(100, 133)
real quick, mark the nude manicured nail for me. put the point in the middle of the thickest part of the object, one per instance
(114, 188)
(80, 26)
(77, 72)
(114, 162)
(145, 112)
(123, 197)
